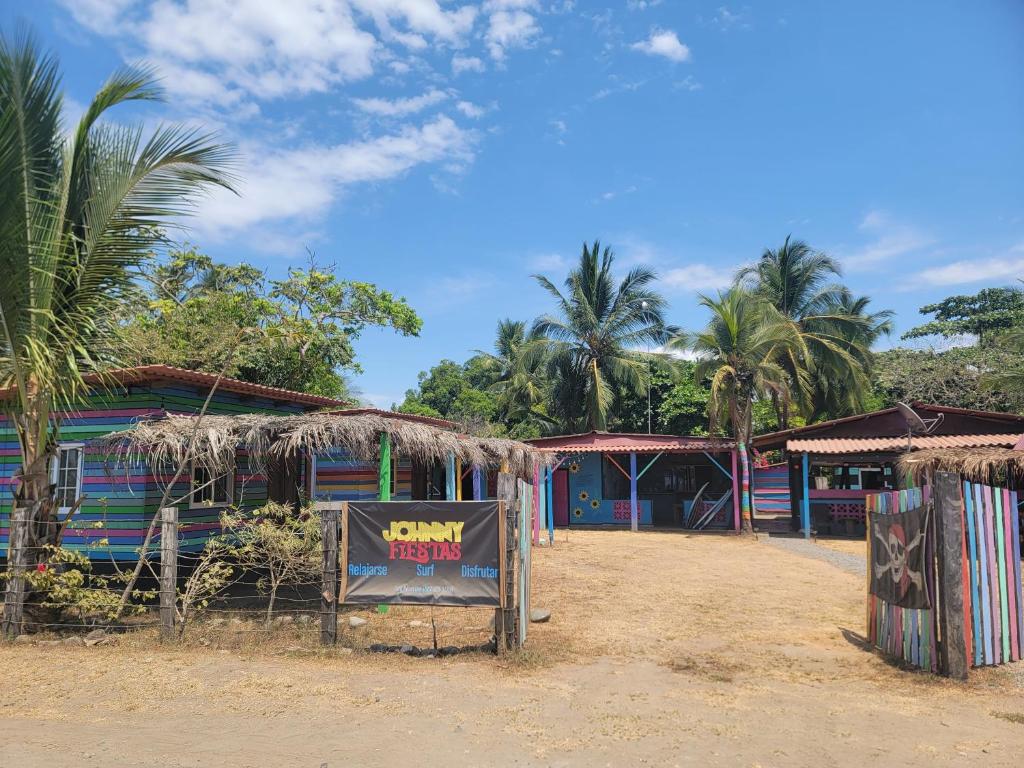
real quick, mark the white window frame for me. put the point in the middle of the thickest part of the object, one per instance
(204, 504)
(55, 470)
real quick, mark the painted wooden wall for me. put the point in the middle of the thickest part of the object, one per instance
(121, 500)
(339, 477)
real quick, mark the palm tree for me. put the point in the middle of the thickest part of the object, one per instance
(593, 342)
(516, 375)
(739, 352)
(79, 212)
(833, 392)
(799, 282)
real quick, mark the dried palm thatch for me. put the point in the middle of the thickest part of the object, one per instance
(976, 464)
(213, 441)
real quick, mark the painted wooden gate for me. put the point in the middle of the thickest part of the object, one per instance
(980, 571)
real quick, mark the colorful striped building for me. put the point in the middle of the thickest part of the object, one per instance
(119, 500)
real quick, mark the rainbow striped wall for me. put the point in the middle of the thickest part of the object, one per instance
(771, 490)
(341, 478)
(120, 501)
(993, 603)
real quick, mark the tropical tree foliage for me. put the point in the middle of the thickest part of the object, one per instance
(739, 353)
(78, 211)
(592, 343)
(835, 328)
(985, 315)
(295, 333)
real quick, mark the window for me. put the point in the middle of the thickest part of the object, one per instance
(66, 475)
(206, 493)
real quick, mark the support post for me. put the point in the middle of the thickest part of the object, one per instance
(805, 502)
(329, 594)
(478, 490)
(168, 571)
(634, 504)
(949, 532)
(735, 491)
(450, 479)
(17, 563)
(384, 471)
(537, 504)
(458, 479)
(549, 490)
(505, 617)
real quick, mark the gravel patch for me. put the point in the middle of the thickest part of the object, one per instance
(842, 560)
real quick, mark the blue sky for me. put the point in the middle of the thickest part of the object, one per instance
(448, 150)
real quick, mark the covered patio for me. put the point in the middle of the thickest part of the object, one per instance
(609, 479)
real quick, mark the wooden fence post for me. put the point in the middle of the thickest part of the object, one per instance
(17, 562)
(505, 618)
(168, 571)
(329, 595)
(949, 531)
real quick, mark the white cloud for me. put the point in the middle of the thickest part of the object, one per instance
(663, 42)
(641, 5)
(726, 19)
(470, 110)
(401, 107)
(217, 51)
(510, 24)
(688, 83)
(302, 183)
(891, 239)
(548, 262)
(1009, 266)
(462, 64)
(697, 277)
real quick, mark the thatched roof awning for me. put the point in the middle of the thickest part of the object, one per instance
(978, 464)
(215, 441)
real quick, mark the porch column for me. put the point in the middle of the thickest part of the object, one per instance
(735, 491)
(805, 503)
(478, 493)
(536, 504)
(634, 504)
(458, 479)
(384, 471)
(549, 489)
(449, 478)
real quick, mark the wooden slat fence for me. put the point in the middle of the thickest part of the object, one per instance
(989, 560)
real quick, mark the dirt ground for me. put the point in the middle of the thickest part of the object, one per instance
(663, 649)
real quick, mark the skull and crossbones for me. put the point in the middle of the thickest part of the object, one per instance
(898, 550)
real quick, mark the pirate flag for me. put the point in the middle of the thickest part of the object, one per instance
(898, 558)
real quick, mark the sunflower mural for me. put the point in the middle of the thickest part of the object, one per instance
(584, 495)
(577, 512)
(574, 467)
(594, 504)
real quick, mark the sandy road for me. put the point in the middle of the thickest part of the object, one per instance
(663, 649)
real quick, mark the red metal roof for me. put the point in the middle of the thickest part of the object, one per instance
(432, 421)
(841, 445)
(616, 442)
(1002, 422)
(151, 373)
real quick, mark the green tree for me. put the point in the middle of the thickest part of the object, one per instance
(679, 404)
(836, 335)
(980, 378)
(302, 327)
(739, 352)
(455, 392)
(592, 342)
(515, 373)
(77, 214)
(985, 315)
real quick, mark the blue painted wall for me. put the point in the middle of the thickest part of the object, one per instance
(586, 503)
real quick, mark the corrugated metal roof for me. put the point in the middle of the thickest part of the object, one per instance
(151, 373)
(837, 445)
(774, 439)
(616, 442)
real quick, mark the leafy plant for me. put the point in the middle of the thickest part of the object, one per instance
(283, 543)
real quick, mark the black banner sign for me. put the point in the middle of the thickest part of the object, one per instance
(423, 553)
(898, 548)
